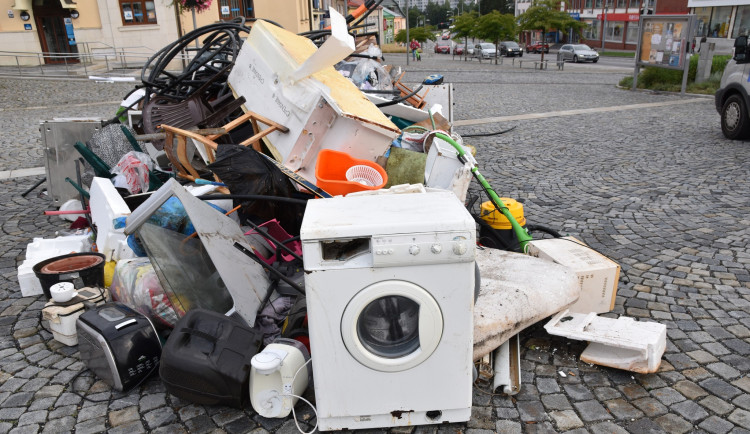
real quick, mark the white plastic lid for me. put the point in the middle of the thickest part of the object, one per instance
(268, 361)
(61, 287)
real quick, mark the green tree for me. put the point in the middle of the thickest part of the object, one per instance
(545, 15)
(496, 27)
(465, 27)
(421, 34)
(414, 14)
(436, 13)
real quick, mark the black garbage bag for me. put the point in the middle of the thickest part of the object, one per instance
(245, 171)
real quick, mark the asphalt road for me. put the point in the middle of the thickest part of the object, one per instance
(645, 178)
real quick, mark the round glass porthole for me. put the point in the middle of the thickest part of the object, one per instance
(389, 326)
(392, 325)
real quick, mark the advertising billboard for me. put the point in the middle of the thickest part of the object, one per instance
(663, 42)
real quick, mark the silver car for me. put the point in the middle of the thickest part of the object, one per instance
(485, 50)
(578, 53)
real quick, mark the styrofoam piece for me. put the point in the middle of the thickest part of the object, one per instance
(517, 291)
(107, 205)
(396, 189)
(322, 111)
(400, 110)
(621, 343)
(598, 275)
(335, 49)
(508, 367)
(41, 249)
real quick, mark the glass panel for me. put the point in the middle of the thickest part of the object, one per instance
(702, 17)
(589, 4)
(742, 22)
(622, 4)
(137, 13)
(719, 27)
(592, 30)
(184, 267)
(598, 4)
(632, 35)
(389, 326)
(127, 12)
(614, 31)
(634, 4)
(150, 12)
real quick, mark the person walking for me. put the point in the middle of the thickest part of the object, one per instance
(414, 46)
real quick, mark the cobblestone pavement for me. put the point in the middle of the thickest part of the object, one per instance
(658, 189)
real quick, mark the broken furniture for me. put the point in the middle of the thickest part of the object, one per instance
(621, 343)
(517, 291)
(417, 101)
(202, 271)
(390, 283)
(205, 144)
(285, 77)
(61, 317)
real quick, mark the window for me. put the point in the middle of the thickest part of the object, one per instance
(136, 12)
(589, 4)
(719, 27)
(613, 32)
(591, 31)
(634, 4)
(231, 9)
(742, 22)
(631, 36)
(622, 4)
(702, 17)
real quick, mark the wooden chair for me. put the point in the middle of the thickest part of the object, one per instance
(177, 153)
(417, 100)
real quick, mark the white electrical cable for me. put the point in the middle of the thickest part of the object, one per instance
(294, 414)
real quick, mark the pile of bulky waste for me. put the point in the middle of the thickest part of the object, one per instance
(282, 208)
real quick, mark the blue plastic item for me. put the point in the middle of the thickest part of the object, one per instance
(433, 79)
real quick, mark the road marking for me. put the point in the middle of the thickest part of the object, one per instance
(43, 107)
(20, 173)
(528, 116)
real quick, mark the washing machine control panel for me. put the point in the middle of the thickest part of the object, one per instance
(429, 248)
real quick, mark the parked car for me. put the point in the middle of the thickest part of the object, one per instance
(731, 97)
(458, 49)
(485, 50)
(578, 53)
(443, 47)
(537, 47)
(510, 49)
(446, 35)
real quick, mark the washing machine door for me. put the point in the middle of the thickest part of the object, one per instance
(392, 325)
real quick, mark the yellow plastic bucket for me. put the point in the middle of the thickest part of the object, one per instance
(496, 219)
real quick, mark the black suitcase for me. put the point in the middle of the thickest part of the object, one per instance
(206, 359)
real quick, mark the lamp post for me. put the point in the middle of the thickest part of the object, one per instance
(604, 26)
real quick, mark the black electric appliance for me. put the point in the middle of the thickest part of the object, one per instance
(118, 344)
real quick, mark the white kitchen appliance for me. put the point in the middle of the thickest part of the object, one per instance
(390, 295)
(278, 375)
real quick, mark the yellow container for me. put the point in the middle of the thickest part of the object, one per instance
(496, 219)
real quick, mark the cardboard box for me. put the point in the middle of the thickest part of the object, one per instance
(597, 274)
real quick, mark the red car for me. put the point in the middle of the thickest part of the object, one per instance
(458, 50)
(537, 47)
(443, 47)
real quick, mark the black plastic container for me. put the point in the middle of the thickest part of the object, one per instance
(206, 359)
(88, 266)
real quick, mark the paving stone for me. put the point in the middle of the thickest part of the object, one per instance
(531, 411)
(672, 423)
(607, 428)
(481, 418)
(124, 416)
(62, 425)
(159, 417)
(690, 411)
(702, 356)
(740, 417)
(591, 411)
(723, 370)
(716, 405)
(650, 406)
(129, 428)
(633, 391)
(743, 383)
(606, 393)
(508, 427)
(667, 395)
(689, 389)
(190, 411)
(200, 424)
(547, 385)
(507, 413)
(578, 392)
(644, 426)
(152, 401)
(621, 409)
(720, 388)
(566, 420)
(91, 412)
(716, 425)
(177, 429)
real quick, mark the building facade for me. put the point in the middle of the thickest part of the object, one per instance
(68, 30)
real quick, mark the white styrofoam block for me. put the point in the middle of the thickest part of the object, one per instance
(106, 205)
(621, 343)
(41, 249)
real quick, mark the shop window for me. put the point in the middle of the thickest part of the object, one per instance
(702, 18)
(591, 31)
(741, 22)
(135, 12)
(613, 32)
(719, 27)
(631, 37)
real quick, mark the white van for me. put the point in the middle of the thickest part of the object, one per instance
(733, 96)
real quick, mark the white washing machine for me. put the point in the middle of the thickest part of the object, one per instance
(390, 298)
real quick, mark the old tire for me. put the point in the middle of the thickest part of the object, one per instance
(734, 121)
